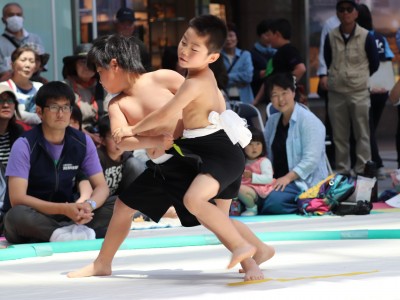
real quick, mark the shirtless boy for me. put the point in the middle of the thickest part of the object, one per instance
(204, 115)
(141, 93)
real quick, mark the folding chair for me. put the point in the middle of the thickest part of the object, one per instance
(249, 112)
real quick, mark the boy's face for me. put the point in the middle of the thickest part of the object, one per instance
(107, 77)
(193, 52)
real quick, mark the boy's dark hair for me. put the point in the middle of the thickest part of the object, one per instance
(214, 28)
(283, 27)
(104, 126)
(124, 49)
(76, 115)
(263, 26)
(283, 80)
(54, 90)
(258, 136)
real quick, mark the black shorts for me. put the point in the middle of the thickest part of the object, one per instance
(215, 154)
(161, 186)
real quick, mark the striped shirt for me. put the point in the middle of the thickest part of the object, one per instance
(5, 148)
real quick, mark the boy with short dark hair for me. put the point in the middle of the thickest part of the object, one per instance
(211, 133)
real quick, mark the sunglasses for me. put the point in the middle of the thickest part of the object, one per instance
(348, 9)
(8, 101)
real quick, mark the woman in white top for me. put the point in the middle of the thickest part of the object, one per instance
(23, 63)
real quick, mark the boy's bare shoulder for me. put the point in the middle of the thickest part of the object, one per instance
(165, 74)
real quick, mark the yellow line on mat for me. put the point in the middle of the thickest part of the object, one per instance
(300, 278)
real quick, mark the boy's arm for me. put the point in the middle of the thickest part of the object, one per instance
(129, 143)
(161, 117)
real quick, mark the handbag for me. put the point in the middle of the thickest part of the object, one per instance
(324, 196)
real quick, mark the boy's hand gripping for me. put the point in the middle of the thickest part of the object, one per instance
(120, 133)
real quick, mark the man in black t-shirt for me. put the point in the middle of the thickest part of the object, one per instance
(287, 57)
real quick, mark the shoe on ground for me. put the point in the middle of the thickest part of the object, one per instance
(250, 211)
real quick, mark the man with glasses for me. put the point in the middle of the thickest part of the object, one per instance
(351, 57)
(41, 173)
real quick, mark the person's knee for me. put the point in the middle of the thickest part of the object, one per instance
(121, 208)
(18, 216)
(278, 206)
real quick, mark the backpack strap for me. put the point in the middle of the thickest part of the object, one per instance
(234, 62)
(11, 40)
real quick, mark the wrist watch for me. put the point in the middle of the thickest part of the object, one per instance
(92, 203)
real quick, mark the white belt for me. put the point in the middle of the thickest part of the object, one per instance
(161, 159)
(233, 125)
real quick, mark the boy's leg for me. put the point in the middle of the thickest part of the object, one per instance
(264, 251)
(203, 188)
(118, 229)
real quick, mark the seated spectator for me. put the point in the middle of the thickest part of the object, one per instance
(87, 88)
(295, 140)
(41, 60)
(120, 168)
(9, 132)
(76, 118)
(23, 63)
(257, 177)
(39, 201)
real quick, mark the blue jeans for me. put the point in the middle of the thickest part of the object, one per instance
(279, 203)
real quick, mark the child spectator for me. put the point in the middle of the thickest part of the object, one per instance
(257, 177)
(115, 161)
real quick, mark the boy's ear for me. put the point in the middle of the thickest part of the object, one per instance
(113, 63)
(213, 57)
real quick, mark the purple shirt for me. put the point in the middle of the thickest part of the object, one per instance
(19, 161)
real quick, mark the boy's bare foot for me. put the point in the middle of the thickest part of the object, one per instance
(94, 269)
(240, 254)
(252, 270)
(262, 255)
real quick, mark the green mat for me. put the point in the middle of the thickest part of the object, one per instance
(47, 249)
